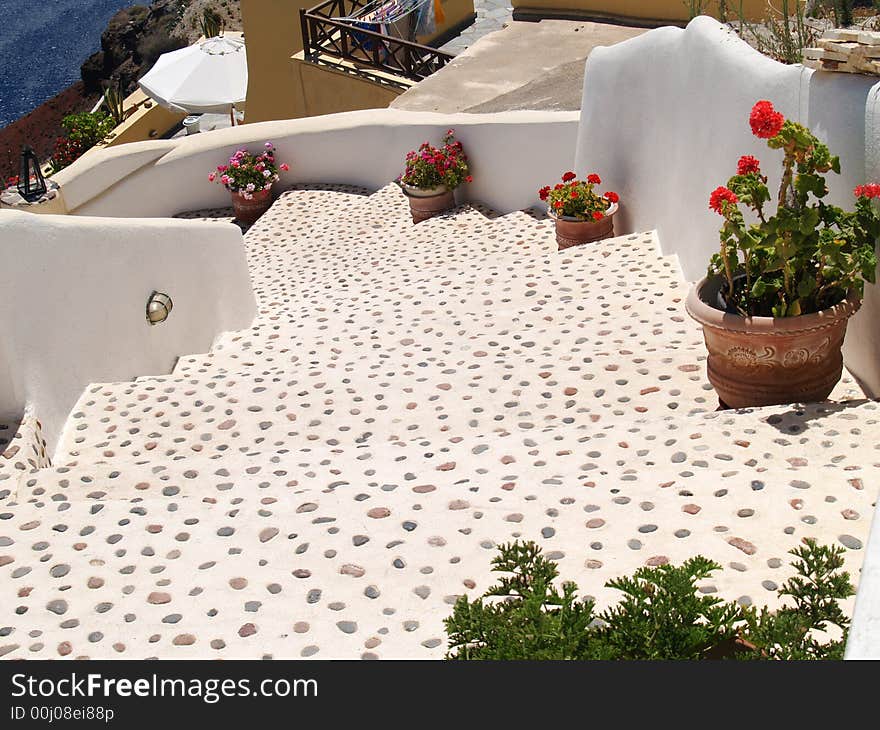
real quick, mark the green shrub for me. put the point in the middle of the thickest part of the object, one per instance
(86, 128)
(82, 131)
(211, 23)
(661, 616)
(538, 622)
(783, 34)
(114, 103)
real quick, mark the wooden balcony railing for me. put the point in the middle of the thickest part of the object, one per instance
(324, 34)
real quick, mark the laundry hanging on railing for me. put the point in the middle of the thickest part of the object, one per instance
(404, 19)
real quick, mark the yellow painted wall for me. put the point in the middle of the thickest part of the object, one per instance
(324, 90)
(655, 12)
(278, 85)
(148, 120)
(272, 35)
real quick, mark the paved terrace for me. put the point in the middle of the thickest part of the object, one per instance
(520, 66)
(327, 483)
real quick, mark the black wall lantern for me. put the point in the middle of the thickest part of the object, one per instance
(31, 184)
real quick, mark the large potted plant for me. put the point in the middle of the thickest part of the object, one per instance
(778, 294)
(249, 178)
(431, 176)
(581, 215)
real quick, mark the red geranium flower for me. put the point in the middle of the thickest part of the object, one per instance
(719, 197)
(594, 178)
(574, 194)
(612, 197)
(568, 177)
(871, 190)
(597, 215)
(765, 120)
(544, 192)
(558, 205)
(747, 164)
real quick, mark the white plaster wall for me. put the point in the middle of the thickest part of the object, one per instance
(864, 635)
(74, 293)
(665, 118)
(512, 155)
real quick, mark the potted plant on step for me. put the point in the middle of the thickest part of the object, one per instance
(580, 213)
(431, 176)
(778, 294)
(249, 178)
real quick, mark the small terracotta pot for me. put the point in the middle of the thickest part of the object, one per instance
(573, 232)
(762, 361)
(425, 203)
(247, 211)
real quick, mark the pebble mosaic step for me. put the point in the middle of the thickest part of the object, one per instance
(22, 450)
(372, 570)
(685, 449)
(517, 298)
(327, 482)
(820, 436)
(398, 402)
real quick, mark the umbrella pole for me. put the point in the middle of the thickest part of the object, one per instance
(232, 116)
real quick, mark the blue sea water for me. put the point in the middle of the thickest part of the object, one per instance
(42, 45)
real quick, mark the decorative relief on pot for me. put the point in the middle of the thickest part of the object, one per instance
(744, 357)
(764, 361)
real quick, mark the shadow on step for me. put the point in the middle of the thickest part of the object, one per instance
(798, 416)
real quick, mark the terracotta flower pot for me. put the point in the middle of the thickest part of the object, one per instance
(248, 210)
(573, 232)
(762, 361)
(425, 203)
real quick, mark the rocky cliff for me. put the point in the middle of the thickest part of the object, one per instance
(135, 37)
(131, 43)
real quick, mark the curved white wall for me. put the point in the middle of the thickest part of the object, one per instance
(512, 155)
(665, 119)
(74, 293)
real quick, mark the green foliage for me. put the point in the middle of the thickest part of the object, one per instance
(693, 7)
(783, 34)
(82, 131)
(578, 199)
(211, 23)
(816, 590)
(843, 13)
(535, 621)
(429, 166)
(809, 254)
(662, 615)
(114, 103)
(87, 128)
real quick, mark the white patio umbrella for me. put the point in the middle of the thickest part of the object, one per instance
(210, 76)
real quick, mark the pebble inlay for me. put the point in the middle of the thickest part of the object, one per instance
(326, 483)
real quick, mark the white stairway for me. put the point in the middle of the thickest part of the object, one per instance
(327, 482)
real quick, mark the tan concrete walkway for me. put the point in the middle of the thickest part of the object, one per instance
(523, 66)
